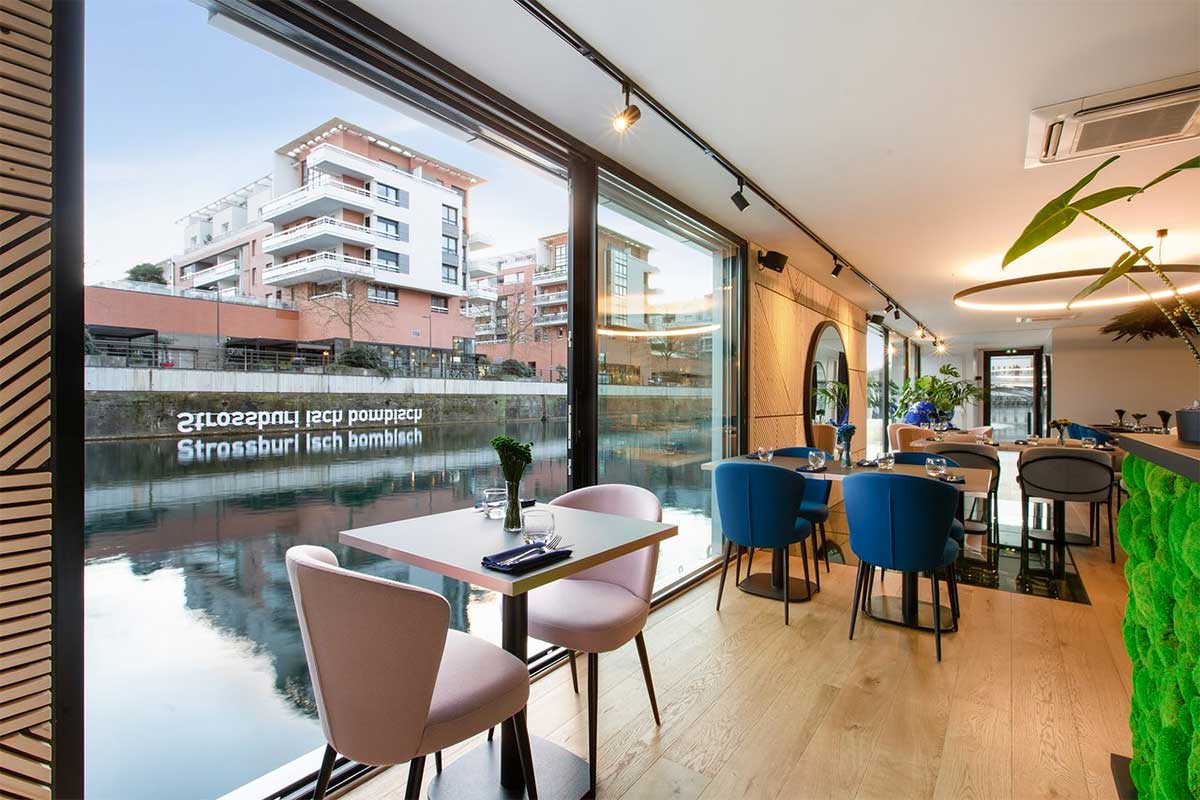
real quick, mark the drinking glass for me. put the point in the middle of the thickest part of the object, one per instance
(493, 502)
(761, 452)
(1088, 442)
(887, 460)
(769, 454)
(537, 525)
(816, 459)
(935, 466)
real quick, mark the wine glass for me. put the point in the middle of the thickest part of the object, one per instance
(1137, 421)
(1088, 442)
(887, 460)
(769, 454)
(761, 452)
(935, 466)
(816, 459)
(493, 502)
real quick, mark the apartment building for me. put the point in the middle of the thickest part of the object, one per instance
(526, 320)
(364, 237)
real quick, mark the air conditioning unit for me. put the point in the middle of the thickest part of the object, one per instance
(1063, 317)
(1149, 114)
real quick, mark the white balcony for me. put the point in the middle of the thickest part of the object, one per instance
(478, 312)
(551, 319)
(319, 234)
(542, 277)
(226, 270)
(328, 267)
(487, 328)
(480, 241)
(318, 198)
(550, 299)
(334, 160)
(479, 292)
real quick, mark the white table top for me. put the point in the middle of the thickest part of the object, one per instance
(452, 544)
(977, 480)
(1013, 447)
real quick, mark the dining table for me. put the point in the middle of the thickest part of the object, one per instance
(453, 544)
(911, 611)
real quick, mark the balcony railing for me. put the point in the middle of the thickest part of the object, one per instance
(543, 276)
(193, 294)
(324, 187)
(476, 312)
(299, 270)
(218, 272)
(479, 292)
(485, 329)
(551, 319)
(550, 299)
(370, 165)
(316, 227)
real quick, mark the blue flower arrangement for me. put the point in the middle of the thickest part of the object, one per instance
(845, 432)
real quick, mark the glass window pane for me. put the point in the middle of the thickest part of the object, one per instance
(876, 418)
(667, 295)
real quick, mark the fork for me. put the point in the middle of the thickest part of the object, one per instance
(550, 544)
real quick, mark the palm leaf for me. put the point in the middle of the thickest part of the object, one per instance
(1054, 217)
(1123, 264)
(1191, 163)
(1145, 321)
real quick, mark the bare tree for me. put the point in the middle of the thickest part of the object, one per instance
(515, 326)
(349, 305)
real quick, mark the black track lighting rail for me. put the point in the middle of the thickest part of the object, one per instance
(628, 85)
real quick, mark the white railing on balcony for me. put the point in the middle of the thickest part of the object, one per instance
(312, 228)
(217, 272)
(549, 276)
(550, 298)
(476, 312)
(479, 292)
(485, 328)
(318, 188)
(551, 319)
(193, 294)
(314, 156)
(330, 295)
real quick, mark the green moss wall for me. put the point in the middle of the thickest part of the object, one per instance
(1160, 530)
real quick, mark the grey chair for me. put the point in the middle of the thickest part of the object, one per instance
(973, 455)
(1061, 475)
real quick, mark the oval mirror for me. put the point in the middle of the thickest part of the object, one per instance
(827, 386)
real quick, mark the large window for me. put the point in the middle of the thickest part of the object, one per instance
(876, 390)
(392, 229)
(450, 215)
(667, 311)
(391, 195)
(393, 262)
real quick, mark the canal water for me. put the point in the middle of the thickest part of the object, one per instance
(194, 665)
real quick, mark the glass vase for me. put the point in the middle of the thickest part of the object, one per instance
(1062, 441)
(512, 511)
(847, 461)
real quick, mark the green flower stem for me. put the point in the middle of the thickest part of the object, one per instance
(1162, 276)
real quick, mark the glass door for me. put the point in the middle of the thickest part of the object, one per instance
(1012, 387)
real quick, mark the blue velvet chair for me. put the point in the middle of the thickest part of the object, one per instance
(902, 523)
(918, 458)
(759, 506)
(1077, 431)
(815, 505)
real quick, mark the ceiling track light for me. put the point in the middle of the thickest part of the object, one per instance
(838, 266)
(738, 198)
(896, 314)
(889, 308)
(629, 115)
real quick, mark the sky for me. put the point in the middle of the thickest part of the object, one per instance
(179, 113)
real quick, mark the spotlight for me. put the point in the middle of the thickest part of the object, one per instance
(629, 115)
(920, 331)
(739, 199)
(838, 266)
(896, 314)
(772, 260)
(889, 307)
(939, 346)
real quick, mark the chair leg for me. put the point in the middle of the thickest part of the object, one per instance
(437, 762)
(574, 672)
(641, 648)
(416, 769)
(593, 712)
(825, 546)
(937, 617)
(952, 589)
(859, 581)
(1112, 535)
(720, 588)
(737, 570)
(326, 770)
(525, 752)
(808, 588)
(787, 595)
(816, 559)
(870, 587)
(749, 560)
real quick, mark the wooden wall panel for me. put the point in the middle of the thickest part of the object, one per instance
(785, 310)
(26, 482)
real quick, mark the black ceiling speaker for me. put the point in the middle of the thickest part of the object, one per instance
(772, 260)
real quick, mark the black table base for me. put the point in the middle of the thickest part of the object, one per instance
(560, 774)
(891, 610)
(763, 585)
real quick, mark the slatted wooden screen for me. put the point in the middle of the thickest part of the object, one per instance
(26, 485)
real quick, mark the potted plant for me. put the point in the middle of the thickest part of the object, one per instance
(1060, 426)
(1058, 215)
(837, 396)
(514, 457)
(934, 398)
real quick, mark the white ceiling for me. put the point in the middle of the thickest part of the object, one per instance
(895, 130)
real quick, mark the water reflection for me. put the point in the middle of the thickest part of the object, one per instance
(194, 659)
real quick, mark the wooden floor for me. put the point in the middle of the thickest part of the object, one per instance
(1030, 698)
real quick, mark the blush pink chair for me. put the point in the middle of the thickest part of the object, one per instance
(600, 609)
(392, 682)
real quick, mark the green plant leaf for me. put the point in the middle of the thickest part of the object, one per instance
(1191, 163)
(1103, 197)
(1054, 217)
(1124, 263)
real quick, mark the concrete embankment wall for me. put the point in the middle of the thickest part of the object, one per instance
(128, 402)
